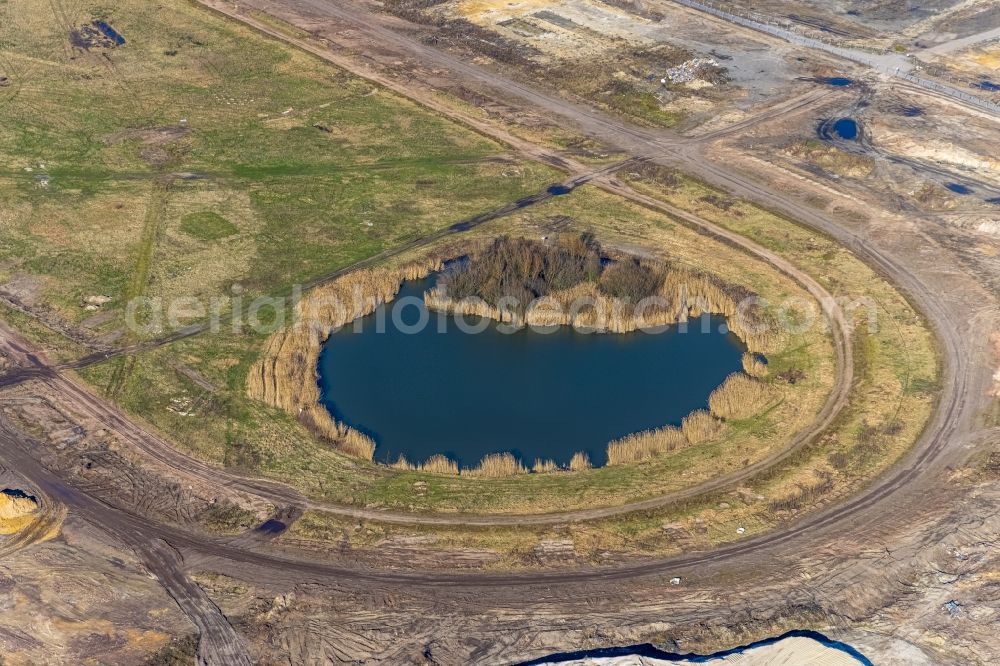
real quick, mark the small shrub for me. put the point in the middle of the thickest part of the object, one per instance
(792, 375)
(631, 280)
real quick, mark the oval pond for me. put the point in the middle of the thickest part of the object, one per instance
(536, 394)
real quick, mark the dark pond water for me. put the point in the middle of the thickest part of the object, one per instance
(17, 493)
(838, 81)
(846, 128)
(958, 188)
(652, 652)
(535, 394)
(110, 32)
(272, 526)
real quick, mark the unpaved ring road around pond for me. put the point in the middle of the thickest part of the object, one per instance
(963, 384)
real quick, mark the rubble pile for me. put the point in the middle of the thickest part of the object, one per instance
(688, 71)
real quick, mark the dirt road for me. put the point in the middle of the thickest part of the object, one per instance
(644, 142)
(885, 505)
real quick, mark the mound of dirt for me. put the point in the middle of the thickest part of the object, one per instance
(17, 510)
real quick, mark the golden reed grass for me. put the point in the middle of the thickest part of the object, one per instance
(497, 465)
(436, 464)
(284, 376)
(697, 427)
(579, 462)
(754, 365)
(739, 397)
(683, 296)
(700, 426)
(645, 445)
(544, 466)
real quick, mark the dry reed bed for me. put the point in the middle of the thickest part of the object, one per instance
(285, 374)
(739, 397)
(492, 466)
(754, 365)
(682, 297)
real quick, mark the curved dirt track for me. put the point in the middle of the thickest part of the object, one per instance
(962, 382)
(668, 148)
(159, 449)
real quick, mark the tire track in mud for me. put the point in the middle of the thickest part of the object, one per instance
(218, 644)
(841, 332)
(949, 425)
(954, 403)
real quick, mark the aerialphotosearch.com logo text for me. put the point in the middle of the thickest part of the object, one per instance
(155, 316)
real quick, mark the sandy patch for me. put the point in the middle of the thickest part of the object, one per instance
(932, 150)
(17, 511)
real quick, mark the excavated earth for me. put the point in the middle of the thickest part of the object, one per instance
(129, 558)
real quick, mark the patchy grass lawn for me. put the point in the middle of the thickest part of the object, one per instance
(269, 442)
(265, 168)
(258, 164)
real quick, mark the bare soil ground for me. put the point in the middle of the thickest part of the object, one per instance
(905, 568)
(662, 65)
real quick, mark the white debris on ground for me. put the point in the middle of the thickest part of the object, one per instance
(686, 72)
(95, 302)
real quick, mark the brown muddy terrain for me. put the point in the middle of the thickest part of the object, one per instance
(131, 551)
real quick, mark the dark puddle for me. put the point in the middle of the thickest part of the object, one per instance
(17, 493)
(110, 32)
(652, 652)
(846, 128)
(841, 128)
(272, 526)
(995, 201)
(988, 85)
(958, 188)
(836, 81)
(559, 189)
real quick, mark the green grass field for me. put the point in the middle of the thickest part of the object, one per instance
(201, 156)
(230, 428)
(113, 155)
